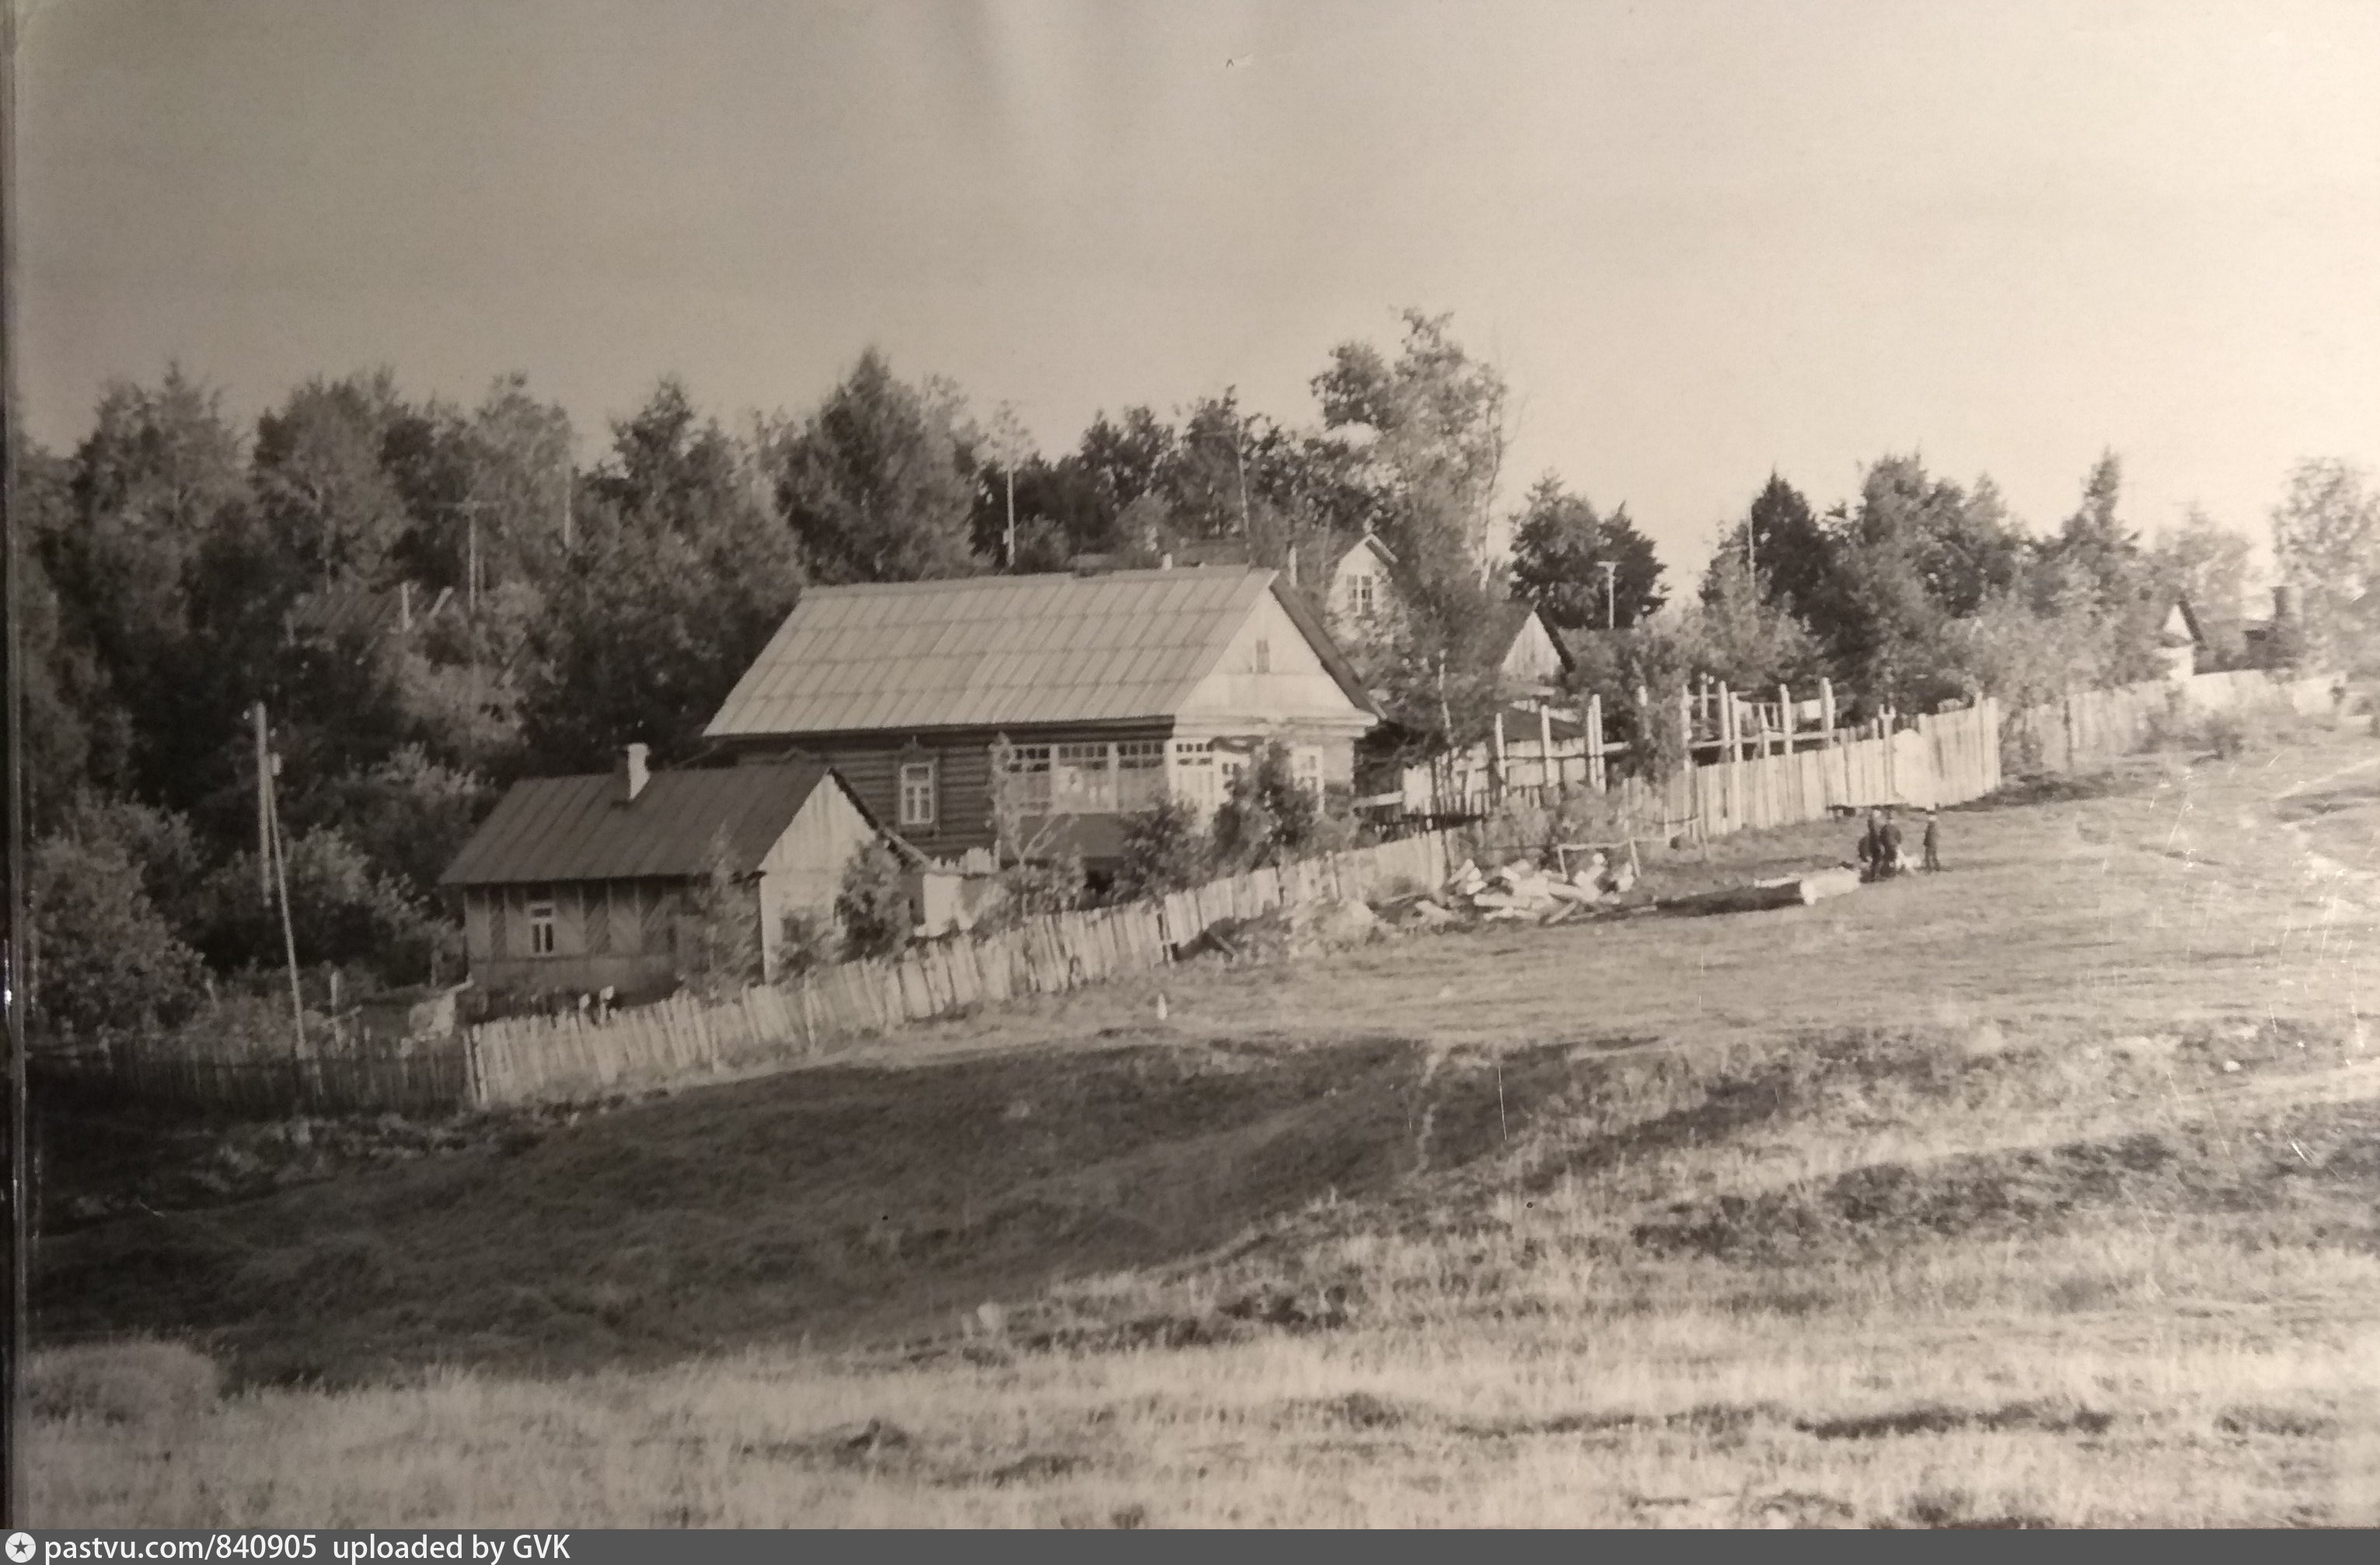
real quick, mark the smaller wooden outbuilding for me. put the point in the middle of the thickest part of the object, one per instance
(580, 884)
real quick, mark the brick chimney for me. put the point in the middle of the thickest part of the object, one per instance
(631, 775)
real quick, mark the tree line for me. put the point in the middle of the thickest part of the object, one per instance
(181, 566)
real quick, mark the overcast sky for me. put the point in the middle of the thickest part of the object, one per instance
(1701, 240)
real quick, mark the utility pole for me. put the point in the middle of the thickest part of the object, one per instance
(471, 509)
(1012, 511)
(1610, 597)
(279, 854)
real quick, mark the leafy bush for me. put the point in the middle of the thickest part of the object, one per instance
(2229, 734)
(725, 915)
(1163, 851)
(104, 961)
(805, 942)
(874, 905)
(1034, 888)
(342, 910)
(1267, 818)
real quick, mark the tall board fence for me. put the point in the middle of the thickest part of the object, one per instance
(1943, 759)
(2090, 726)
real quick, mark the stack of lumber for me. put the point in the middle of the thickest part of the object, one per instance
(1518, 892)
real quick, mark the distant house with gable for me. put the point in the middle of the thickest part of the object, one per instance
(1360, 593)
(578, 884)
(2181, 641)
(1102, 692)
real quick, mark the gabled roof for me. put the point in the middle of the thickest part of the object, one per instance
(1369, 539)
(999, 651)
(2197, 638)
(1512, 617)
(549, 828)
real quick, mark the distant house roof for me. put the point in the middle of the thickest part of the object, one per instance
(990, 652)
(1512, 617)
(342, 610)
(550, 828)
(1366, 539)
(2189, 633)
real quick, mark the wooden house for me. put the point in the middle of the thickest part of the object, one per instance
(579, 884)
(1360, 596)
(1101, 693)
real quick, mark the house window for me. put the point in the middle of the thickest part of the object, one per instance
(1264, 656)
(1027, 779)
(918, 792)
(1193, 772)
(1361, 592)
(1305, 767)
(1229, 764)
(540, 927)
(1081, 781)
(1140, 773)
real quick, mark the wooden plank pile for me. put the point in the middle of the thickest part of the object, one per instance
(1519, 892)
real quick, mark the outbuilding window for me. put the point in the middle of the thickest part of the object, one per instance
(1306, 766)
(918, 792)
(1364, 586)
(540, 928)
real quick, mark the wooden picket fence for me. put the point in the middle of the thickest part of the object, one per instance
(1945, 758)
(427, 1075)
(531, 1060)
(2092, 726)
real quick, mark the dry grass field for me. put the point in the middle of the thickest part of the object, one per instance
(2042, 1192)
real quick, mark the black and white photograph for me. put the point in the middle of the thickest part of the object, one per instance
(1189, 764)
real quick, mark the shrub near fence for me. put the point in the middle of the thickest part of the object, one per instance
(538, 1060)
(1947, 759)
(2090, 726)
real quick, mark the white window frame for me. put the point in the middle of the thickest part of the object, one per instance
(919, 784)
(1027, 781)
(1192, 773)
(1139, 774)
(1306, 769)
(542, 921)
(1361, 590)
(1082, 779)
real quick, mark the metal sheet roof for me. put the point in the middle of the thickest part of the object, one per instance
(549, 828)
(988, 651)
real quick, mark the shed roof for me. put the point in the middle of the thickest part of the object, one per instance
(549, 828)
(988, 651)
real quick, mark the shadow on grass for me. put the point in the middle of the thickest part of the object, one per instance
(852, 1206)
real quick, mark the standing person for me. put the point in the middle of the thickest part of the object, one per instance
(1871, 847)
(1888, 848)
(1933, 838)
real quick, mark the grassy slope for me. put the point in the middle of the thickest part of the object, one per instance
(1934, 1203)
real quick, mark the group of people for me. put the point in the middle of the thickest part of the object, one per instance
(1880, 853)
